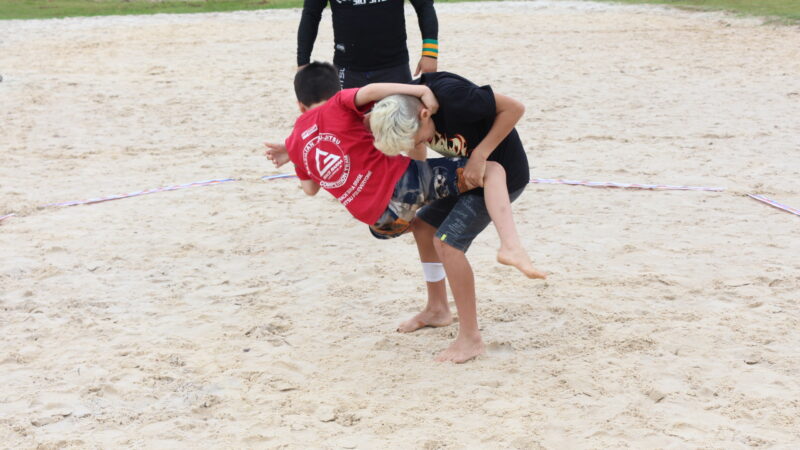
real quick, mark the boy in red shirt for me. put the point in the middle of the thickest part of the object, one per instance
(332, 148)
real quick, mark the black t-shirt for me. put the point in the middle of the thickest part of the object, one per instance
(367, 34)
(466, 113)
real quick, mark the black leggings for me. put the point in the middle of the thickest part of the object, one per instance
(397, 74)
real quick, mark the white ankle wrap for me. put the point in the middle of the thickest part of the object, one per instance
(433, 272)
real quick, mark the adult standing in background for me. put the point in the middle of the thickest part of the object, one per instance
(370, 39)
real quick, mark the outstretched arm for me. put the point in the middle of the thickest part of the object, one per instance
(509, 111)
(276, 153)
(429, 28)
(308, 28)
(279, 156)
(378, 91)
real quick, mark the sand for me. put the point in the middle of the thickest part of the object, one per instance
(244, 315)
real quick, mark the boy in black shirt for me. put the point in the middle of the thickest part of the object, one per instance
(475, 122)
(370, 39)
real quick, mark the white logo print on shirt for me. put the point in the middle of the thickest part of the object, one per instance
(326, 162)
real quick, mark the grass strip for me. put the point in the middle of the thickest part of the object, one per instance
(787, 11)
(47, 9)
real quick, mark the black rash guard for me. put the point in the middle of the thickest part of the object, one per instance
(368, 34)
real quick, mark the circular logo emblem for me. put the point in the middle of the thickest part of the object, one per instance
(324, 158)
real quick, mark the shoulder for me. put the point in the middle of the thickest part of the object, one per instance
(305, 125)
(294, 141)
(445, 80)
(450, 88)
(346, 98)
(347, 95)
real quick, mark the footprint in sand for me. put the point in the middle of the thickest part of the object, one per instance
(273, 332)
(500, 348)
(286, 376)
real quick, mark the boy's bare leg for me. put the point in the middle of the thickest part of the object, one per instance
(468, 343)
(511, 252)
(436, 312)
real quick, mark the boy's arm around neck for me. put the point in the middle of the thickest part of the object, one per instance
(378, 91)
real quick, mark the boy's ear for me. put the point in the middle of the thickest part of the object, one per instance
(303, 108)
(424, 113)
(366, 121)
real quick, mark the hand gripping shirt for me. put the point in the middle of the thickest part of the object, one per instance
(331, 146)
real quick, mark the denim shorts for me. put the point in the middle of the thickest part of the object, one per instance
(459, 220)
(422, 183)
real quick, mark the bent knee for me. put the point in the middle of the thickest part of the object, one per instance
(444, 249)
(494, 165)
(494, 168)
(422, 230)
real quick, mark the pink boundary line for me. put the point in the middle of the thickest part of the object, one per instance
(583, 183)
(662, 187)
(774, 204)
(2, 218)
(275, 177)
(137, 193)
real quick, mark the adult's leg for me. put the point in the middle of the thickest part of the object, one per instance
(352, 79)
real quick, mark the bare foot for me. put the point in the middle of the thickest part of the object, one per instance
(426, 318)
(462, 350)
(519, 259)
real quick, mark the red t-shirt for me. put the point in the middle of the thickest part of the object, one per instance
(330, 145)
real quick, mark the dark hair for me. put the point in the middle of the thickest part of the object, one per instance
(316, 82)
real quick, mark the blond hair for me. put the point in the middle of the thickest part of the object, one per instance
(394, 122)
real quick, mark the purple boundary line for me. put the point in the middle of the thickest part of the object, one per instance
(625, 185)
(137, 193)
(275, 177)
(581, 183)
(774, 204)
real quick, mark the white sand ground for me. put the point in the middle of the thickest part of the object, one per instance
(245, 315)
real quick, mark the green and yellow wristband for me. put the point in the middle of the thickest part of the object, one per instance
(430, 48)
